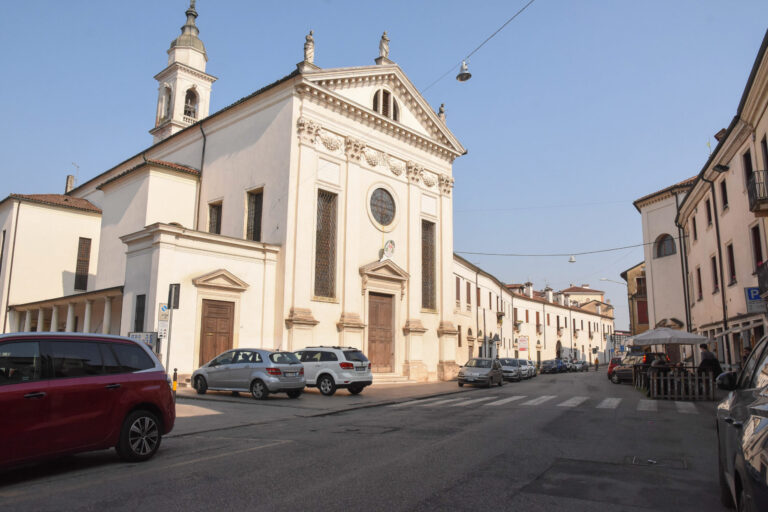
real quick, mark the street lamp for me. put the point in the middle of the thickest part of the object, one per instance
(464, 74)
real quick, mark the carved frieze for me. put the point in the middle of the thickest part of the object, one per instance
(308, 130)
(428, 178)
(373, 157)
(354, 148)
(331, 141)
(396, 166)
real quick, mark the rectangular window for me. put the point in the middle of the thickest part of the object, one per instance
(709, 213)
(214, 218)
(478, 296)
(700, 293)
(490, 298)
(459, 329)
(557, 318)
(723, 194)
(537, 318)
(715, 280)
(458, 291)
(469, 293)
(746, 160)
(428, 295)
(642, 312)
(138, 313)
(83, 262)
(731, 265)
(255, 200)
(547, 318)
(690, 289)
(764, 147)
(2, 251)
(757, 247)
(695, 231)
(514, 314)
(325, 244)
(640, 284)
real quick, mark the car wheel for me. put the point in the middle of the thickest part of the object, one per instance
(140, 436)
(326, 385)
(355, 390)
(259, 390)
(201, 386)
(615, 378)
(461, 384)
(294, 394)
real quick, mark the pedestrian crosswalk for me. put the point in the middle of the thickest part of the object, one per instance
(609, 403)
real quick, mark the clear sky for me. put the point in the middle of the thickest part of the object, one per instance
(574, 110)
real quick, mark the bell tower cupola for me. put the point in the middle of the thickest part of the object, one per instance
(184, 88)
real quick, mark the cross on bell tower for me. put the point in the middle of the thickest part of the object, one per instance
(184, 88)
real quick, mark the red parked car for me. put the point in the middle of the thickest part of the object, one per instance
(615, 361)
(63, 393)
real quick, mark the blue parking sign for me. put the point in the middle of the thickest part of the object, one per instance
(753, 293)
(755, 304)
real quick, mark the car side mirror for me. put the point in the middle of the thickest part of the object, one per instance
(727, 381)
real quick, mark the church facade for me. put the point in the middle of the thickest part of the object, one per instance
(315, 211)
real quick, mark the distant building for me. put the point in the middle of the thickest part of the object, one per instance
(637, 298)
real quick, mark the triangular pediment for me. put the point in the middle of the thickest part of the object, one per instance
(222, 279)
(358, 85)
(385, 269)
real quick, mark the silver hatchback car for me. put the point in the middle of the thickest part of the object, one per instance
(257, 371)
(481, 370)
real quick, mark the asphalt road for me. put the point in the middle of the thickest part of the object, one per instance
(571, 442)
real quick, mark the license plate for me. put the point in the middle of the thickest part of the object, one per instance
(290, 374)
(361, 368)
(470, 379)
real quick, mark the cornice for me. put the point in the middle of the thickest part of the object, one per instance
(312, 133)
(192, 71)
(375, 120)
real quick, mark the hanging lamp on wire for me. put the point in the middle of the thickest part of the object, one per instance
(464, 73)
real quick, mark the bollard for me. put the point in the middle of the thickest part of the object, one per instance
(175, 383)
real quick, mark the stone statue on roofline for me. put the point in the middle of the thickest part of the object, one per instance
(309, 48)
(384, 46)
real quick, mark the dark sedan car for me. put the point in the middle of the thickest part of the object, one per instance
(742, 434)
(623, 371)
(553, 366)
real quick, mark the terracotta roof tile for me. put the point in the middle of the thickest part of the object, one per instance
(581, 289)
(157, 163)
(61, 200)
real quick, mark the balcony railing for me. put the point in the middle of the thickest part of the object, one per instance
(757, 191)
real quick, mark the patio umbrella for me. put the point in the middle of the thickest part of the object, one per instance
(667, 336)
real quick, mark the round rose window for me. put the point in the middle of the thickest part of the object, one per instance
(382, 207)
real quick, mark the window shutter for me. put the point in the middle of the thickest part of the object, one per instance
(255, 200)
(83, 262)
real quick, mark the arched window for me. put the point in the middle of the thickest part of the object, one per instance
(385, 104)
(664, 246)
(190, 104)
(167, 103)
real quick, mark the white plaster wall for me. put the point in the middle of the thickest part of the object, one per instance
(663, 276)
(7, 218)
(46, 251)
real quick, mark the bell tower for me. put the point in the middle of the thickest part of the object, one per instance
(184, 88)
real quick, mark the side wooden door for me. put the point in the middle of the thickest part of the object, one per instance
(216, 328)
(381, 333)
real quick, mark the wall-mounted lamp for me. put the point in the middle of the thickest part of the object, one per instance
(721, 168)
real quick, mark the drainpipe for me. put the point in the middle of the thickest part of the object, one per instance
(200, 180)
(720, 265)
(10, 266)
(683, 267)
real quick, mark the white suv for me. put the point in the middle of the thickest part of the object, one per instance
(331, 368)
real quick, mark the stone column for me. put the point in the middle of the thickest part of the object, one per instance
(107, 323)
(87, 316)
(28, 320)
(447, 333)
(54, 318)
(14, 320)
(40, 319)
(70, 317)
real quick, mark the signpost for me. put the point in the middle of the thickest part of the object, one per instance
(174, 291)
(150, 338)
(755, 304)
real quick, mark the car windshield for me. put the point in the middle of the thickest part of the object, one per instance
(616, 360)
(283, 358)
(355, 355)
(479, 363)
(508, 362)
(523, 362)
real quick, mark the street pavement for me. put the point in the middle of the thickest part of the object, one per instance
(556, 442)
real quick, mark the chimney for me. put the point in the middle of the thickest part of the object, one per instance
(529, 289)
(585, 285)
(70, 184)
(548, 293)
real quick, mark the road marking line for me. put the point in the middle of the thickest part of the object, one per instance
(504, 401)
(648, 405)
(416, 402)
(539, 400)
(686, 408)
(441, 402)
(467, 402)
(574, 402)
(609, 403)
